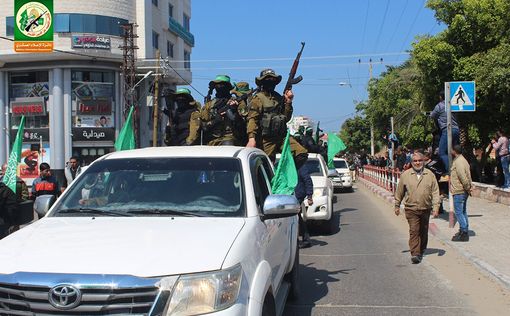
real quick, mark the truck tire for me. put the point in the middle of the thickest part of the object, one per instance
(293, 278)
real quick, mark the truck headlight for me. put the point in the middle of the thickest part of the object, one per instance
(203, 293)
(317, 192)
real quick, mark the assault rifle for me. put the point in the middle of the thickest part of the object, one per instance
(292, 75)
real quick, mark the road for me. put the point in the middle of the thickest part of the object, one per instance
(365, 269)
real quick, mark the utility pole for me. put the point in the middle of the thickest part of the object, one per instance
(392, 145)
(155, 103)
(129, 74)
(372, 145)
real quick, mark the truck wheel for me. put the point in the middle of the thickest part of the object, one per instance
(269, 307)
(293, 278)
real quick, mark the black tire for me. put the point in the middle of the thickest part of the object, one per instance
(328, 227)
(269, 307)
(293, 278)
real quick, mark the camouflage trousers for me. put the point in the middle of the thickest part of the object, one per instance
(225, 140)
(274, 146)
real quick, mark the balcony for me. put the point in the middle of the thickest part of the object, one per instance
(180, 31)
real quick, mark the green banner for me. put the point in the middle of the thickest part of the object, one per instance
(33, 26)
(126, 139)
(14, 158)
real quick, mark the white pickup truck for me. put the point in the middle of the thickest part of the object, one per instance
(158, 231)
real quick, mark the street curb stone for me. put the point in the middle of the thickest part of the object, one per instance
(481, 265)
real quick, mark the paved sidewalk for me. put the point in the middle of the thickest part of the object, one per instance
(489, 224)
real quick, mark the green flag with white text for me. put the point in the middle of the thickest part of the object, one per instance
(286, 177)
(335, 145)
(126, 139)
(14, 158)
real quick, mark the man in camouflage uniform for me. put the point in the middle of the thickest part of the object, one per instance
(268, 115)
(221, 122)
(183, 119)
(240, 89)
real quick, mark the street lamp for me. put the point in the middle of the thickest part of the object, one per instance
(140, 81)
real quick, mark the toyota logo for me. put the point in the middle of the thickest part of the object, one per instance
(64, 296)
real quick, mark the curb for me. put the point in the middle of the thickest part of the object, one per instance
(481, 265)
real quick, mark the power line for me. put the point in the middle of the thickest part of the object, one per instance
(382, 25)
(287, 58)
(412, 25)
(167, 63)
(398, 24)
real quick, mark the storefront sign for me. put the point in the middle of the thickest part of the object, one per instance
(28, 107)
(33, 29)
(93, 134)
(32, 135)
(95, 107)
(91, 42)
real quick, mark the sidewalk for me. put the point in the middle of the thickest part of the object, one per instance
(489, 244)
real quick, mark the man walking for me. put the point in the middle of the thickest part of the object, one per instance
(45, 183)
(304, 189)
(461, 187)
(419, 187)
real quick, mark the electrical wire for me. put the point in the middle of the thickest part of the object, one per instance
(186, 81)
(398, 24)
(412, 24)
(382, 25)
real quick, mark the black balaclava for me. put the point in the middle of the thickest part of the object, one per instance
(222, 91)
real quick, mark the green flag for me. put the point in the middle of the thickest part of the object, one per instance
(126, 139)
(12, 165)
(335, 145)
(286, 177)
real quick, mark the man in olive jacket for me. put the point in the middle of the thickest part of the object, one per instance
(419, 187)
(8, 209)
(461, 187)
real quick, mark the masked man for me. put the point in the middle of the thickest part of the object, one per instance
(183, 119)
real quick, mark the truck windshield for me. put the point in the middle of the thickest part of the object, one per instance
(157, 187)
(340, 164)
(314, 167)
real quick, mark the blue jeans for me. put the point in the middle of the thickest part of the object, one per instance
(443, 145)
(505, 161)
(459, 205)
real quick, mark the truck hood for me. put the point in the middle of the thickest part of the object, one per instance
(139, 246)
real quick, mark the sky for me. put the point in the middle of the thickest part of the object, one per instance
(240, 38)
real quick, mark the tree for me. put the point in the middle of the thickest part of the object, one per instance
(355, 133)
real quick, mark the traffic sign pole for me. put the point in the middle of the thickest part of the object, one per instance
(449, 133)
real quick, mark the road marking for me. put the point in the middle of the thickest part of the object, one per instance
(377, 306)
(349, 255)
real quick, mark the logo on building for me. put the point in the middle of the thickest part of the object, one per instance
(33, 30)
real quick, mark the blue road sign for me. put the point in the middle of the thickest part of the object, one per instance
(462, 96)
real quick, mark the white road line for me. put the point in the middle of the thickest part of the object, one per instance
(376, 306)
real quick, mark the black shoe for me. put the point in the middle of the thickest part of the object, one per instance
(464, 236)
(416, 259)
(305, 244)
(456, 237)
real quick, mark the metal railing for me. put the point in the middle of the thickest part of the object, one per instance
(385, 178)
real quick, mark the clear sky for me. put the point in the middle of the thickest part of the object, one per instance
(241, 37)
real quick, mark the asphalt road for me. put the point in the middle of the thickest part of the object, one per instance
(365, 269)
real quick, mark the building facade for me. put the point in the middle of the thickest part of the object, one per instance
(72, 98)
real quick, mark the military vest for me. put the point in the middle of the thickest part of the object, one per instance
(273, 122)
(180, 126)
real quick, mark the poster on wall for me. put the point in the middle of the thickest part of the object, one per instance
(31, 157)
(92, 90)
(94, 121)
(30, 90)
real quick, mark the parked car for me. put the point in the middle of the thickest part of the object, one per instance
(344, 178)
(321, 211)
(158, 231)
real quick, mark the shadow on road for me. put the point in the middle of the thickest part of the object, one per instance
(313, 286)
(432, 251)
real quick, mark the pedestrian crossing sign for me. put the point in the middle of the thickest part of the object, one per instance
(462, 96)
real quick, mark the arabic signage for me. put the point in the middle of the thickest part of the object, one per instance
(33, 135)
(33, 26)
(95, 107)
(93, 134)
(28, 107)
(91, 42)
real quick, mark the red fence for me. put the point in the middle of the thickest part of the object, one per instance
(384, 177)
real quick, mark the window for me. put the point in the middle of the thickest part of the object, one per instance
(170, 10)
(32, 84)
(187, 59)
(185, 21)
(340, 164)
(9, 26)
(155, 2)
(61, 23)
(155, 40)
(314, 167)
(169, 49)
